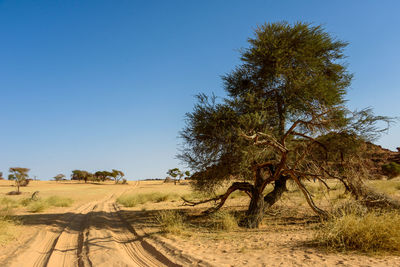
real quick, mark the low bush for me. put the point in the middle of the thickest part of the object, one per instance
(366, 232)
(391, 169)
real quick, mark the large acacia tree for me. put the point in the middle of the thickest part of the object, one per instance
(288, 93)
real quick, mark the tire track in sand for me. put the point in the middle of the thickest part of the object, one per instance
(95, 235)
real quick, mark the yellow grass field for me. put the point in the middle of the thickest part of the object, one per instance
(145, 224)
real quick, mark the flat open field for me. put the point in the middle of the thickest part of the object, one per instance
(95, 229)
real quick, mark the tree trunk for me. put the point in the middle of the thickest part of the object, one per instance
(279, 188)
(255, 212)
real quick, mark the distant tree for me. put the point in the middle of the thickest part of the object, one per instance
(19, 175)
(59, 177)
(176, 174)
(117, 175)
(81, 175)
(102, 175)
(1, 176)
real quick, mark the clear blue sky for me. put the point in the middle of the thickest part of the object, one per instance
(106, 84)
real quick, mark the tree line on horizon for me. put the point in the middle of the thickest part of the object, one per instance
(21, 177)
(98, 176)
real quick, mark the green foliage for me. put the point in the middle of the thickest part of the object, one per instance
(288, 73)
(391, 169)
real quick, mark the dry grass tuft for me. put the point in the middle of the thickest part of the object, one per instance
(354, 228)
(7, 222)
(132, 200)
(37, 206)
(172, 222)
(224, 221)
(57, 201)
(40, 205)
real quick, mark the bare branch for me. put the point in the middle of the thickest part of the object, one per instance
(271, 141)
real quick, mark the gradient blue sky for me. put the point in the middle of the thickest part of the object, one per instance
(106, 84)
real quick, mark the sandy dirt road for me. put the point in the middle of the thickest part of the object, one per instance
(94, 234)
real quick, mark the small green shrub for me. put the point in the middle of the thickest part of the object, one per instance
(368, 232)
(171, 222)
(391, 169)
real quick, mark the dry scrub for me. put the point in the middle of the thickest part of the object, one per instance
(7, 222)
(132, 200)
(172, 222)
(355, 228)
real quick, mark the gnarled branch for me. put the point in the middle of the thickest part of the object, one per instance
(242, 186)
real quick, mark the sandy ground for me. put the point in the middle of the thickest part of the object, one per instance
(91, 234)
(96, 231)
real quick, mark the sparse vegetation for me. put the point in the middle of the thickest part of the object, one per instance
(57, 201)
(367, 232)
(172, 222)
(37, 206)
(224, 221)
(40, 205)
(132, 200)
(391, 169)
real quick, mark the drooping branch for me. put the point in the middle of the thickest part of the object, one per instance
(220, 199)
(308, 197)
(314, 176)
